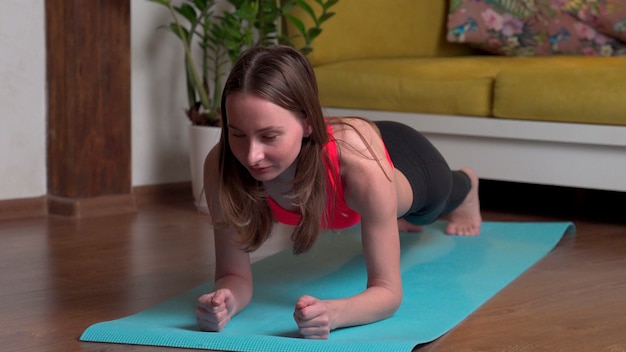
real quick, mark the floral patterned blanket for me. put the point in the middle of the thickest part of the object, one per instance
(540, 27)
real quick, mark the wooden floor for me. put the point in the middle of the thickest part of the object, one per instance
(58, 276)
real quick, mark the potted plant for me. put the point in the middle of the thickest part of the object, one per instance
(213, 34)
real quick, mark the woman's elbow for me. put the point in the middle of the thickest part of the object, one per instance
(393, 303)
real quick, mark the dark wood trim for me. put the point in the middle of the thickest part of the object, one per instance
(92, 206)
(19, 208)
(22, 208)
(11, 209)
(159, 193)
(89, 106)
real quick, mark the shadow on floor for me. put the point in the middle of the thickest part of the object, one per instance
(563, 202)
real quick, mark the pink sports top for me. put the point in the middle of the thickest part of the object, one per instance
(339, 215)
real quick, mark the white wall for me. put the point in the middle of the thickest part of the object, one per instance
(22, 99)
(159, 126)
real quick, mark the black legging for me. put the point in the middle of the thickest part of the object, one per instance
(436, 189)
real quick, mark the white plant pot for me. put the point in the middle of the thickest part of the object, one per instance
(201, 140)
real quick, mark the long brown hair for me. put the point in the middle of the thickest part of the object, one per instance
(283, 76)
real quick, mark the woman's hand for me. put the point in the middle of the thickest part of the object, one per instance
(312, 317)
(214, 310)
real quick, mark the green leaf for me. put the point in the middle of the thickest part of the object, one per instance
(326, 4)
(308, 9)
(313, 33)
(329, 3)
(162, 2)
(287, 7)
(164, 26)
(174, 30)
(325, 17)
(202, 4)
(188, 12)
(297, 23)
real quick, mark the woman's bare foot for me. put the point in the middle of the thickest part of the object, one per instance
(405, 226)
(466, 219)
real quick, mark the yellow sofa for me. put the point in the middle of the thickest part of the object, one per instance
(557, 120)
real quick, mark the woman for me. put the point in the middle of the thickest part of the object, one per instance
(280, 159)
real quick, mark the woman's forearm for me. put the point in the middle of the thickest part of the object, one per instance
(374, 304)
(240, 288)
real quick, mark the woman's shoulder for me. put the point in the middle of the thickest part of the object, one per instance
(363, 163)
(358, 142)
(353, 130)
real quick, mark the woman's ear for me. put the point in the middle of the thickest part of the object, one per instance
(308, 130)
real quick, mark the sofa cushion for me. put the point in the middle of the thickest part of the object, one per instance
(380, 29)
(593, 93)
(444, 85)
(607, 16)
(460, 86)
(524, 28)
(536, 88)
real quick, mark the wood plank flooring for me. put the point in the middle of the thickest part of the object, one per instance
(58, 276)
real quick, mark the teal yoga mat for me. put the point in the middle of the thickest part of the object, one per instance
(445, 278)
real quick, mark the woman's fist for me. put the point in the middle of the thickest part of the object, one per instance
(312, 318)
(214, 310)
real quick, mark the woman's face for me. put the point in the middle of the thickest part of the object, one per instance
(264, 137)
